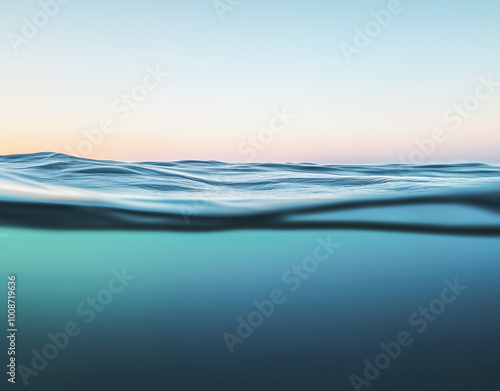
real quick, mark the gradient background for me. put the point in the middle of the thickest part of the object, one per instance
(227, 76)
(164, 330)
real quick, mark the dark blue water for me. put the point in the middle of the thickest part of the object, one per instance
(217, 276)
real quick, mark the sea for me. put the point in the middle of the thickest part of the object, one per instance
(205, 275)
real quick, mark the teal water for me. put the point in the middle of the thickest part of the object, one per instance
(373, 255)
(165, 329)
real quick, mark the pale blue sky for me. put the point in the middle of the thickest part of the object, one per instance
(226, 78)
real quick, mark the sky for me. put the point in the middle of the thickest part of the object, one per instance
(341, 82)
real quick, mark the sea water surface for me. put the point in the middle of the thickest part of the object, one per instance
(216, 276)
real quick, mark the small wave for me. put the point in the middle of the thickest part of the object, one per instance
(56, 191)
